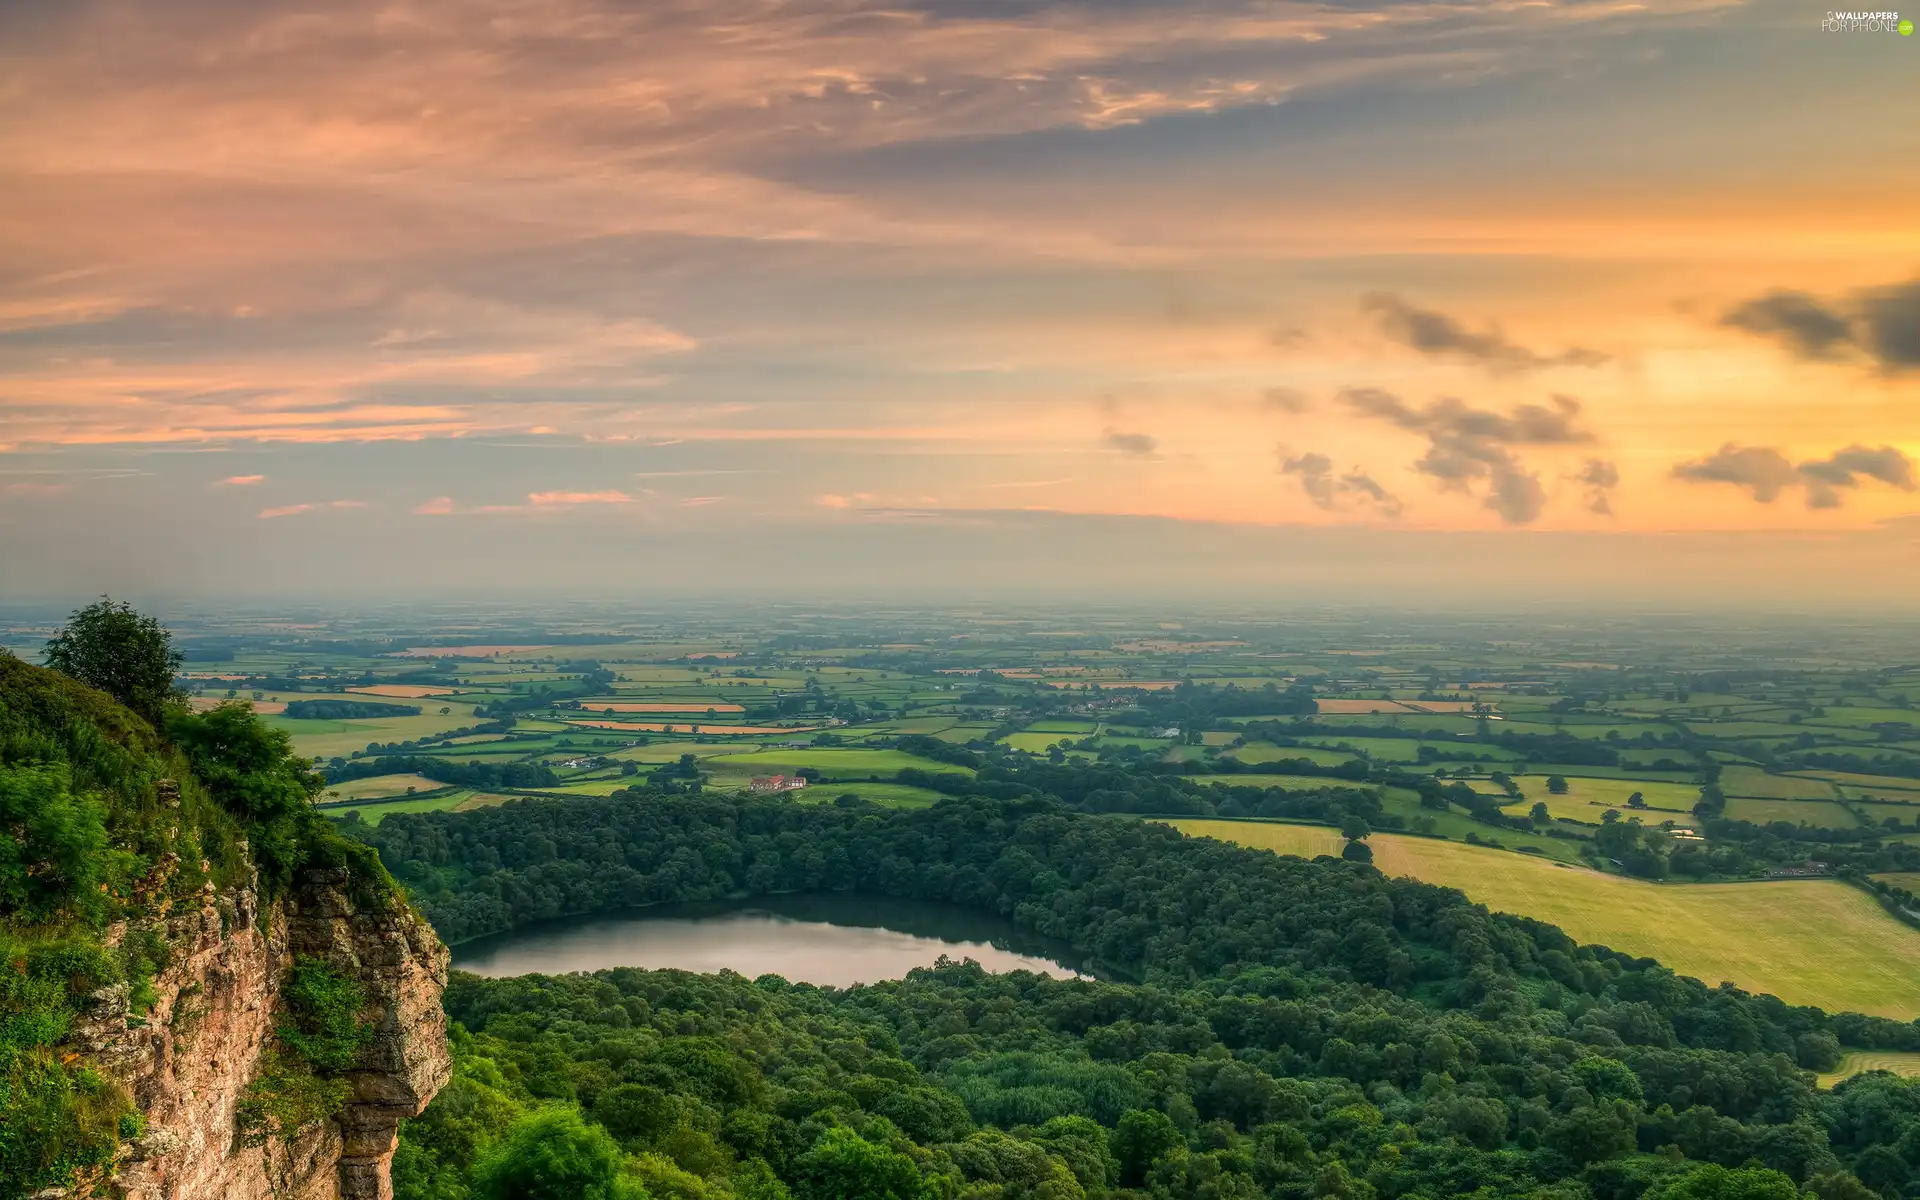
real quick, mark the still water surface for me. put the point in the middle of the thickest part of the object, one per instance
(832, 941)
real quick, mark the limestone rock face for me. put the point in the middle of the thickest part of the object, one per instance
(188, 1060)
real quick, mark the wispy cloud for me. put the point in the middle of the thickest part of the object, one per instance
(1334, 493)
(292, 510)
(1133, 445)
(1438, 334)
(536, 502)
(570, 499)
(239, 481)
(838, 501)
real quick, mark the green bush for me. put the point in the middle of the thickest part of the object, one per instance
(59, 1120)
(552, 1154)
(318, 1041)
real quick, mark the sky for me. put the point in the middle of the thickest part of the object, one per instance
(1519, 298)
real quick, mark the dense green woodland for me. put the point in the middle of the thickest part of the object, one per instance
(1301, 1030)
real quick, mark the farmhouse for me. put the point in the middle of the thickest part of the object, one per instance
(775, 783)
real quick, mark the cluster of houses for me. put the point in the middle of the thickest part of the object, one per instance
(767, 784)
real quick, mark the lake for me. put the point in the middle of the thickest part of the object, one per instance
(828, 940)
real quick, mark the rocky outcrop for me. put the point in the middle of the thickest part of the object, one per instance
(188, 1059)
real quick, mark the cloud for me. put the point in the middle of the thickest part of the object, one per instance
(1438, 334)
(1765, 472)
(1881, 324)
(835, 500)
(1469, 447)
(239, 481)
(1806, 326)
(1133, 445)
(1285, 399)
(27, 488)
(1762, 470)
(1316, 477)
(1599, 477)
(537, 502)
(1317, 480)
(289, 510)
(569, 499)
(1842, 469)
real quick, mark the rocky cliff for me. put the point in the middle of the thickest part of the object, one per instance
(188, 1060)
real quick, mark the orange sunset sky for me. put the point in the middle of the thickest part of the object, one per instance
(1620, 297)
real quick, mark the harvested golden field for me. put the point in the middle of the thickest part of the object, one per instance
(1900, 1062)
(1807, 941)
(376, 786)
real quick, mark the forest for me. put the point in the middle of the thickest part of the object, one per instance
(1299, 1029)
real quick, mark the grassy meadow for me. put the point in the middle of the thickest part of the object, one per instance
(1811, 941)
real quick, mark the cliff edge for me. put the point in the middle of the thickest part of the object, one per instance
(206, 993)
(187, 1064)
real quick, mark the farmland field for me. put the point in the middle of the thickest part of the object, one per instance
(329, 738)
(1037, 743)
(1861, 784)
(893, 795)
(375, 812)
(693, 728)
(1586, 797)
(379, 785)
(1752, 781)
(1825, 813)
(1905, 1063)
(831, 762)
(1811, 941)
(1262, 752)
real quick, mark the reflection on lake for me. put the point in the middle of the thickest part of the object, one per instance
(829, 940)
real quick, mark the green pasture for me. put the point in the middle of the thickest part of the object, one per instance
(1825, 813)
(893, 795)
(1254, 753)
(375, 812)
(831, 762)
(1906, 814)
(1807, 941)
(1037, 743)
(328, 739)
(1587, 797)
(1852, 784)
(1754, 782)
(1077, 729)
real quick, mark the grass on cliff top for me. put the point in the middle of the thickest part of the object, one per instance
(1807, 941)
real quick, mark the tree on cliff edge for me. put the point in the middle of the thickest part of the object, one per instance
(124, 653)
